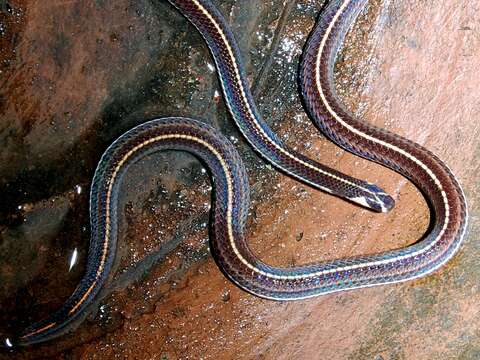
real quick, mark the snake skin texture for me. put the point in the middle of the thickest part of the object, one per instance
(229, 245)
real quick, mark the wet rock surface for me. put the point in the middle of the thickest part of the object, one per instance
(75, 75)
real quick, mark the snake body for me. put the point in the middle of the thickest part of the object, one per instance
(228, 242)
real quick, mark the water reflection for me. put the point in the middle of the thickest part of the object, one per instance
(73, 259)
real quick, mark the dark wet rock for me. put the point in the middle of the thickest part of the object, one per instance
(24, 247)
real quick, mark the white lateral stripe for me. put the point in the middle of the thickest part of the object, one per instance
(354, 130)
(259, 128)
(349, 127)
(378, 141)
(229, 180)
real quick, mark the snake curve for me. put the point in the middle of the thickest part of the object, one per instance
(228, 243)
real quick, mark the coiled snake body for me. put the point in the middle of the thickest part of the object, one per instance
(228, 242)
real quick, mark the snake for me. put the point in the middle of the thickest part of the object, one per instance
(228, 242)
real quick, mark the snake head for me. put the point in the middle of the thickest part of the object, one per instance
(374, 198)
(384, 202)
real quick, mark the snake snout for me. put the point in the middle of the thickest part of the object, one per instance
(387, 203)
(378, 200)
